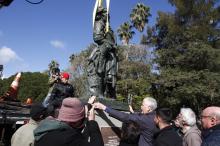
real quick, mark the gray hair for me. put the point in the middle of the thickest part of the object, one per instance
(152, 103)
(188, 116)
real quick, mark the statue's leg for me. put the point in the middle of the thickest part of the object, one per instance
(96, 86)
(102, 59)
(110, 89)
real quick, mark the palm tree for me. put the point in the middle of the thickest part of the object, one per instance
(139, 16)
(125, 33)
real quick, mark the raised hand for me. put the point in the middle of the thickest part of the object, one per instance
(99, 105)
(92, 100)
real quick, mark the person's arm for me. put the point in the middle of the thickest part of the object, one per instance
(121, 116)
(131, 109)
(55, 99)
(53, 79)
(88, 106)
(95, 136)
(53, 94)
(92, 129)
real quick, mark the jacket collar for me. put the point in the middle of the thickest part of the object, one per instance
(192, 129)
(162, 130)
(206, 133)
(33, 122)
(48, 125)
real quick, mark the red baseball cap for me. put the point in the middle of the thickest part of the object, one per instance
(65, 75)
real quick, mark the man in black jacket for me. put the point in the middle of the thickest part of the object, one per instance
(167, 136)
(61, 90)
(145, 119)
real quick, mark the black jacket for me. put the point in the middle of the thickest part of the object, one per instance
(145, 121)
(59, 92)
(211, 137)
(53, 133)
(127, 144)
(167, 137)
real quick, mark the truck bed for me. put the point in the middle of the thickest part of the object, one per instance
(11, 112)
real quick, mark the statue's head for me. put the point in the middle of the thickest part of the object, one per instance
(101, 13)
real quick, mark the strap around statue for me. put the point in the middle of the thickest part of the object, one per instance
(99, 3)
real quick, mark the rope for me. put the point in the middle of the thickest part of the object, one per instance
(34, 2)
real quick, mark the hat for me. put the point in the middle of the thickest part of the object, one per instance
(72, 110)
(37, 110)
(65, 75)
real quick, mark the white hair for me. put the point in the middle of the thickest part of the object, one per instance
(188, 116)
(152, 103)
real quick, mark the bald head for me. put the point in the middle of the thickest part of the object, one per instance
(210, 117)
(213, 111)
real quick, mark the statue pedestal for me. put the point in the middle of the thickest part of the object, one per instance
(118, 105)
(109, 126)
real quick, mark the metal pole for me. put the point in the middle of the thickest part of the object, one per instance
(1, 70)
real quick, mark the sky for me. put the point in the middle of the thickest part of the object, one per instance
(33, 35)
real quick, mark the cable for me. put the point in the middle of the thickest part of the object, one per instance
(34, 2)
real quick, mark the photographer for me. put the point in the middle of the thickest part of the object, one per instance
(54, 78)
(60, 91)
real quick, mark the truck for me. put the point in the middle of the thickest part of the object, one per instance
(13, 113)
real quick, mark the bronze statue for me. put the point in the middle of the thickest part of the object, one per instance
(102, 63)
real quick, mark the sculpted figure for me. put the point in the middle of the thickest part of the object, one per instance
(102, 63)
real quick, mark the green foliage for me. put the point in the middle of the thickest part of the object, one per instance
(133, 74)
(5, 84)
(78, 71)
(176, 88)
(139, 16)
(148, 38)
(125, 33)
(187, 55)
(32, 85)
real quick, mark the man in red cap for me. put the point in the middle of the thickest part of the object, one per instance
(60, 91)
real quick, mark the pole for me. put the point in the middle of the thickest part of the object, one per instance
(1, 70)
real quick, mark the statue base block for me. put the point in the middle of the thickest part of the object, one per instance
(118, 105)
(113, 103)
(109, 126)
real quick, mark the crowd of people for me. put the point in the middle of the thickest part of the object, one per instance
(75, 124)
